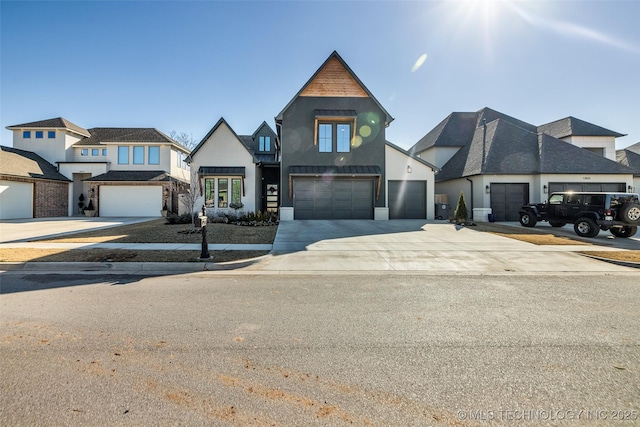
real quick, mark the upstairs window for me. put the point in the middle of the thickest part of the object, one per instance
(154, 155)
(325, 138)
(104, 151)
(265, 143)
(95, 151)
(26, 134)
(39, 134)
(84, 152)
(138, 155)
(51, 134)
(123, 155)
(339, 132)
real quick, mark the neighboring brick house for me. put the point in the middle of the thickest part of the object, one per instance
(501, 163)
(122, 171)
(31, 187)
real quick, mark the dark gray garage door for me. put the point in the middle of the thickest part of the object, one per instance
(332, 199)
(407, 199)
(586, 186)
(507, 199)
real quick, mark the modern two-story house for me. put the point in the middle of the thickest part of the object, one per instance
(121, 171)
(335, 160)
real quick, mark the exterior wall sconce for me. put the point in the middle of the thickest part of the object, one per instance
(409, 169)
(545, 189)
(630, 188)
(487, 189)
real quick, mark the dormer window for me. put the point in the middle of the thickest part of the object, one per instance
(265, 143)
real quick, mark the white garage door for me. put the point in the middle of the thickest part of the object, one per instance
(16, 200)
(124, 200)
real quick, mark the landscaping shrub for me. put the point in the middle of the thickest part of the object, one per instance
(178, 219)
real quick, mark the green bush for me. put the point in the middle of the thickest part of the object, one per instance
(178, 219)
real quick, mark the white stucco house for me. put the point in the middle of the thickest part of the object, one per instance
(121, 171)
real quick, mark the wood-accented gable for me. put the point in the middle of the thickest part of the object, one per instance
(334, 80)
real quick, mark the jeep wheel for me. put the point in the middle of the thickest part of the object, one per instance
(624, 231)
(528, 220)
(557, 223)
(630, 213)
(586, 227)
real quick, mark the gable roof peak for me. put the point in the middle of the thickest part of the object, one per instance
(56, 123)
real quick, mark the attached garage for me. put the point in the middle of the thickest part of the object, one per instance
(333, 198)
(407, 199)
(130, 200)
(507, 199)
(16, 200)
(587, 186)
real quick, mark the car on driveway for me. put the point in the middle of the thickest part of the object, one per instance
(589, 212)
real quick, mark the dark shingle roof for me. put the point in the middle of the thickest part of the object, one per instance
(57, 123)
(27, 164)
(459, 128)
(630, 157)
(98, 136)
(335, 170)
(133, 176)
(512, 150)
(570, 126)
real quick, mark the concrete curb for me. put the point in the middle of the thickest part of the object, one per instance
(613, 261)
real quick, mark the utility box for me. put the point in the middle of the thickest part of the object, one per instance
(442, 211)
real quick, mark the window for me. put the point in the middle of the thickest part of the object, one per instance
(39, 134)
(343, 138)
(223, 197)
(340, 132)
(179, 157)
(138, 155)
(26, 134)
(209, 192)
(556, 199)
(104, 151)
(265, 143)
(51, 134)
(95, 151)
(325, 140)
(154, 155)
(123, 155)
(84, 152)
(236, 190)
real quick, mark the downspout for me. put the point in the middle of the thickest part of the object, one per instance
(471, 197)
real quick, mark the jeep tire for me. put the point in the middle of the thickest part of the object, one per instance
(630, 213)
(586, 227)
(626, 231)
(527, 219)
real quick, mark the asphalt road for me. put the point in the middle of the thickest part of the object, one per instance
(206, 349)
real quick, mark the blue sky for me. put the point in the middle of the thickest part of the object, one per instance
(181, 65)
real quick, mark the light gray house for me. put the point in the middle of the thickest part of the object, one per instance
(501, 163)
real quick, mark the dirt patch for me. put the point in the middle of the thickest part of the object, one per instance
(119, 255)
(157, 231)
(626, 256)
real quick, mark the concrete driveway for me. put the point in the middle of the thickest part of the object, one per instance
(416, 245)
(21, 230)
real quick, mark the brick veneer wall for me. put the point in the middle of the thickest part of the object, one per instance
(51, 199)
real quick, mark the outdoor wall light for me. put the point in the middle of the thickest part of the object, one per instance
(630, 188)
(409, 169)
(487, 189)
(545, 189)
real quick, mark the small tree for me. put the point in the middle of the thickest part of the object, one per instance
(183, 138)
(460, 215)
(191, 196)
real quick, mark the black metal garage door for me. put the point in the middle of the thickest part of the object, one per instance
(333, 199)
(507, 199)
(407, 199)
(587, 186)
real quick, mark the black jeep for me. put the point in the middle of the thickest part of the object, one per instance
(588, 212)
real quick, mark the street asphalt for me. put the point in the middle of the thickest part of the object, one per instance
(335, 247)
